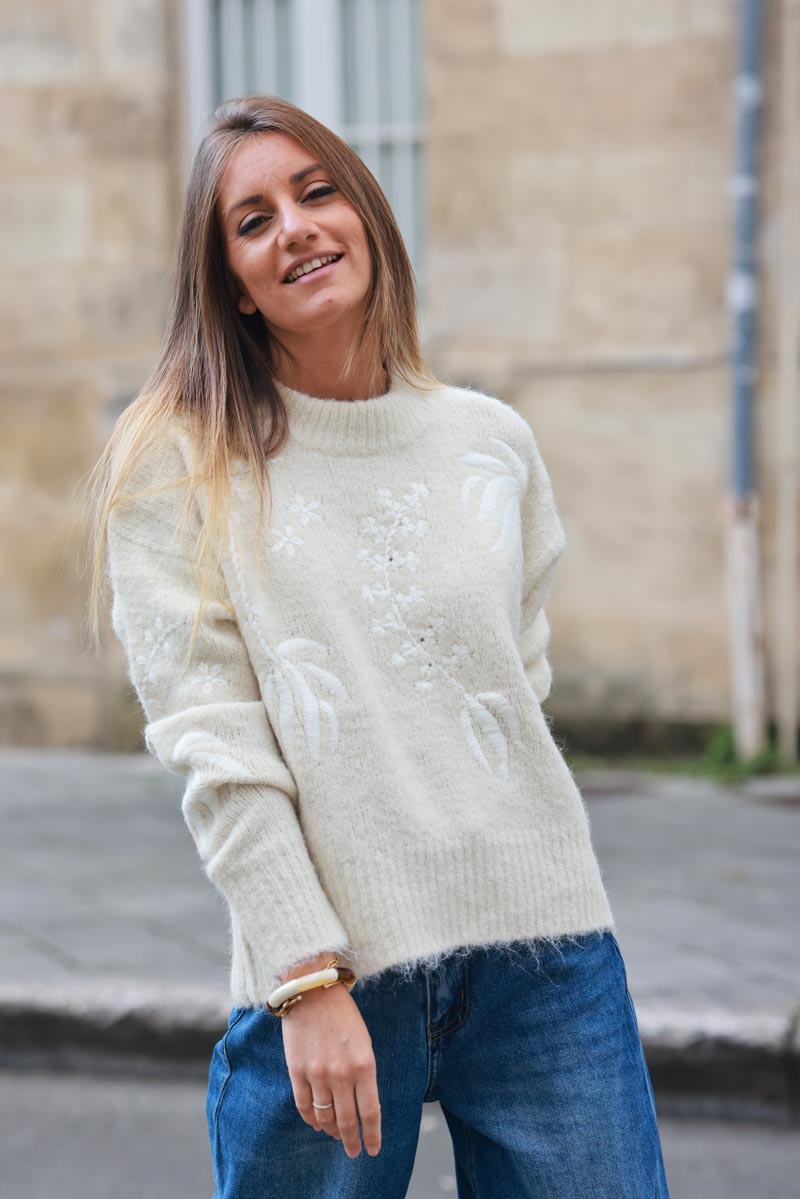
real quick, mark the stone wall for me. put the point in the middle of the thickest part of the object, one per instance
(580, 245)
(90, 144)
(579, 242)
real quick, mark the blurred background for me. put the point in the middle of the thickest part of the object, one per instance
(601, 201)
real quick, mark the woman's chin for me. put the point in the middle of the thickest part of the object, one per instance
(323, 310)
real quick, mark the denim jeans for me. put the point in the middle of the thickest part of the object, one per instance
(531, 1049)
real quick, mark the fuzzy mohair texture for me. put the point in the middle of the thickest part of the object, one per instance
(368, 767)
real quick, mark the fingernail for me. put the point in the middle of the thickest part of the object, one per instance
(372, 1150)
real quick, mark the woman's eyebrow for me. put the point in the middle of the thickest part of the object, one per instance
(297, 177)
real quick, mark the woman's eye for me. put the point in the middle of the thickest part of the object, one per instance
(320, 191)
(315, 194)
(252, 224)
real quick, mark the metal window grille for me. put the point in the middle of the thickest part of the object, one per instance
(356, 65)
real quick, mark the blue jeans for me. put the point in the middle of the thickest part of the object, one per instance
(532, 1050)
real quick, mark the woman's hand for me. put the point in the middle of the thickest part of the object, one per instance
(330, 1059)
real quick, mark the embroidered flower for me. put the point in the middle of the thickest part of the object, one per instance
(144, 670)
(306, 510)
(208, 678)
(425, 648)
(286, 540)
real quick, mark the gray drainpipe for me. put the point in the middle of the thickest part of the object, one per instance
(748, 696)
(742, 290)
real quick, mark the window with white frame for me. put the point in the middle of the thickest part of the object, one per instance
(356, 65)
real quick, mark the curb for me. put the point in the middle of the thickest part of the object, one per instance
(110, 1027)
(706, 1053)
(715, 1053)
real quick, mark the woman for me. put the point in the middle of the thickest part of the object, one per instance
(353, 693)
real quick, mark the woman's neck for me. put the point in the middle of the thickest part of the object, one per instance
(315, 378)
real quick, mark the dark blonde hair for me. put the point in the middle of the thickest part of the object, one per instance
(216, 368)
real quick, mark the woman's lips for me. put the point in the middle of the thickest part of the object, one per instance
(321, 270)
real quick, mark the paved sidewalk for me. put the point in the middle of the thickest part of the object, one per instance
(111, 936)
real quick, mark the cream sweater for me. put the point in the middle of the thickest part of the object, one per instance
(368, 767)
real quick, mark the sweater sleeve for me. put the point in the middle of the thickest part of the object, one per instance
(207, 722)
(543, 541)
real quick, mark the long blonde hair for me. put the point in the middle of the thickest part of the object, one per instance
(216, 369)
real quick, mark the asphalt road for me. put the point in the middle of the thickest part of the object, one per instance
(91, 1137)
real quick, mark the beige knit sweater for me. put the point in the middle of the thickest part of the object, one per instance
(368, 767)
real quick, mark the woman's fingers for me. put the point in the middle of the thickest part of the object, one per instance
(369, 1109)
(349, 1106)
(304, 1102)
(330, 1061)
(344, 1101)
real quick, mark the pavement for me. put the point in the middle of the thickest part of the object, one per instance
(114, 945)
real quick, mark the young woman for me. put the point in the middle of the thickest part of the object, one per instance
(353, 691)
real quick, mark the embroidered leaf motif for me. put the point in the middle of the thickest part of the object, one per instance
(485, 738)
(213, 754)
(502, 490)
(290, 674)
(321, 727)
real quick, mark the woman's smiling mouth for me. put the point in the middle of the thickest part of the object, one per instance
(314, 266)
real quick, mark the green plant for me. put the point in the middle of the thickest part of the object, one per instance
(718, 761)
(721, 754)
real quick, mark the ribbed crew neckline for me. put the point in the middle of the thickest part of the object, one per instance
(383, 422)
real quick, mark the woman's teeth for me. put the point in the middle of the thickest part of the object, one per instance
(307, 267)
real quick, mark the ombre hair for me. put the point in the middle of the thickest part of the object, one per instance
(215, 373)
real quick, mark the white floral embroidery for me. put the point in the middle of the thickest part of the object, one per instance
(147, 681)
(305, 509)
(208, 677)
(290, 675)
(144, 671)
(506, 484)
(427, 647)
(286, 540)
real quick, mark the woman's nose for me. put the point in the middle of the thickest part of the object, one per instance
(295, 225)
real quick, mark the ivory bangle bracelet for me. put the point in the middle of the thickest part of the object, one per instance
(304, 982)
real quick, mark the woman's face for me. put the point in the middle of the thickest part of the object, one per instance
(277, 207)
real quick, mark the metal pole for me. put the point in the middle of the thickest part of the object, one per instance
(742, 543)
(786, 455)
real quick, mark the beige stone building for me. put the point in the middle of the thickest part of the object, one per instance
(562, 175)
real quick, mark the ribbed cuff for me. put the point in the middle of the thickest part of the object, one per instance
(280, 914)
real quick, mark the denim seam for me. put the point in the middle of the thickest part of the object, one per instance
(428, 1040)
(470, 1161)
(223, 1086)
(644, 1070)
(435, 1032)
(628, 996)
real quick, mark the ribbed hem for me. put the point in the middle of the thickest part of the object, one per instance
(546, 887)
(538, 887)
(384, 422)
